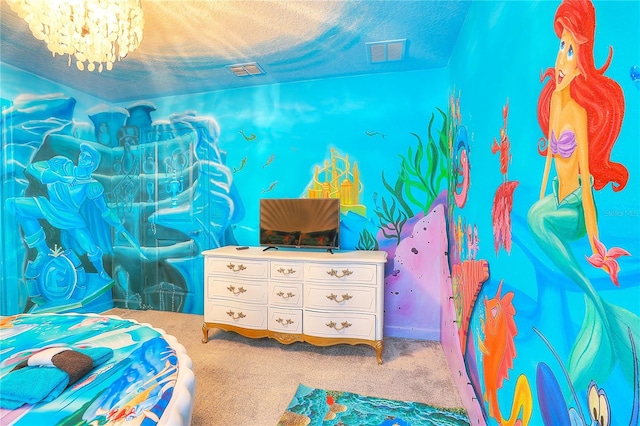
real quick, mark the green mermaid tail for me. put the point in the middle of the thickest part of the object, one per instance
(597, 348)
(604, 336)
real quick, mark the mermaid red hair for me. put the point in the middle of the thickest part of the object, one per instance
(600, 96)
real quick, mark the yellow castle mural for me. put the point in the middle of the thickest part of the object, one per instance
(339, 181)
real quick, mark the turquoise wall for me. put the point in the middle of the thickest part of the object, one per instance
(533, 344)
(184, 174)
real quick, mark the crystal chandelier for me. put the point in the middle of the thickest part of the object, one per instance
(95, 32)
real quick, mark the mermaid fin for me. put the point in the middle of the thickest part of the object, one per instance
(622, 323)
(592, 356)
(601, 346)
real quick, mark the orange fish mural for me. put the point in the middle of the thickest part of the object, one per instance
(498, 352)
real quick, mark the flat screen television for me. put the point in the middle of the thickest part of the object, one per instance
(300, 222)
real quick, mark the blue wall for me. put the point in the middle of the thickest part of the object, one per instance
(189, 172)
(502, 51)
(517, 316)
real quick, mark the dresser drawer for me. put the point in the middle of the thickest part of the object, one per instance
(240, 290)
(340, 298)
(296, 295)
(238, 314)
(339, 325)
(340, 273)
(285, 294)
(245, 268)
(286, 270)
(285, 320)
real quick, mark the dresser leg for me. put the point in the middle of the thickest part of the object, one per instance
(205, 333)
(379, 348)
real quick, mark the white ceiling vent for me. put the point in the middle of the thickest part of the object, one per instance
(250, 68)
(386, 51)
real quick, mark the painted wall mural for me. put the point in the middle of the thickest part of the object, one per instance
(581, 132)
(163, 186)
(150, 196)
(503, 198)
(543, 306)
(56, 277)
(547, 317)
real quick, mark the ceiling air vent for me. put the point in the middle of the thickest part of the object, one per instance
(243, 70)
(386, 51)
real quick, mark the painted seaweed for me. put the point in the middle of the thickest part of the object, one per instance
(391, 220)
(423, 174)
(367, 241)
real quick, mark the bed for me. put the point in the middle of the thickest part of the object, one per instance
(93, 370)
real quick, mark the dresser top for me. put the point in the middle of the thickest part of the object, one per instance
(373, 256)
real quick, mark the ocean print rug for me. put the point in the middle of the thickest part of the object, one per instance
(319, 407)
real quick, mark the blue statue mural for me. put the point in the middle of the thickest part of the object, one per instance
(124, 224)
(74, 203)
(68, 187)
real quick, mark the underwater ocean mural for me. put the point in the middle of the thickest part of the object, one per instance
(581, 135)
(111, 205)
(548, 329)
(149, 196)
(53, 274)
(526, 185)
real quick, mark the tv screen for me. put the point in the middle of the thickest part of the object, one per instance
(300, 222)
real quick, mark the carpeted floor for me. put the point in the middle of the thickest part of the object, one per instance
(250, 382)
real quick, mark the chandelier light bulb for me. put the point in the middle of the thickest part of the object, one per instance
(97, 33)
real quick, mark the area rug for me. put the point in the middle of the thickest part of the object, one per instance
(320, 407)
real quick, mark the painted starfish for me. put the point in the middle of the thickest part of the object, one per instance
(607, 259)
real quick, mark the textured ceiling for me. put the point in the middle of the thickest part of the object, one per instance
(188, 46)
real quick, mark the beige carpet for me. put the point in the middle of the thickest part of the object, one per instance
(250, 382)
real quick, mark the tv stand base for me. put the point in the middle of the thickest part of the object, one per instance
(287, 338)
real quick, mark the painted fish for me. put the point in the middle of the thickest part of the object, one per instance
(242, 164)
(269, 160)
(374, 134)
(498, 352)
(250, 137)
(271, 187)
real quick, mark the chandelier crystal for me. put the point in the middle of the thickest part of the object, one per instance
(95, 32)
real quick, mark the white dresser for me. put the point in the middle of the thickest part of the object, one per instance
(296, 295)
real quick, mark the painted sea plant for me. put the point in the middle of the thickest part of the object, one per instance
(391, 220)
(367, 241)
(423, 174)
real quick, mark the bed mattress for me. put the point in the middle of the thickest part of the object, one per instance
(140, 375)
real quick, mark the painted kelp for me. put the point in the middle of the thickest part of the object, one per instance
(422, 176)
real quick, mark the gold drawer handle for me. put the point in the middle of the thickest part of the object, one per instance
(232, 289)
(345, 296)
(334, 273)
(239, 268)
(234, 316)
(333, 325)
(285, 322)
(286, 271)
(285, 296)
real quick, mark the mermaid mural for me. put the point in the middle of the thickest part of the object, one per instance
(580, 112)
